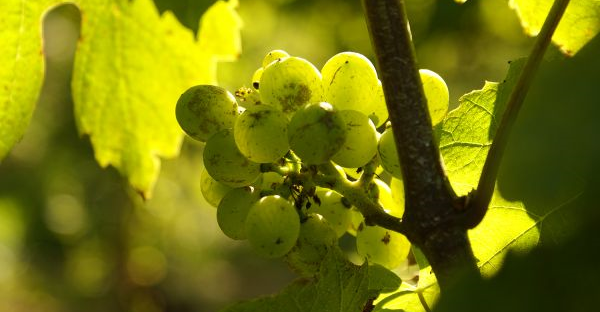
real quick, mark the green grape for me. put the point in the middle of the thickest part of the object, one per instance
(361, 140)
(204, 110)
(212, 190)
(356, 219)
(387, 201)
(397, 187)
(261, 134)
(270, 181)
(380, 113)
(382, 246)
(247, 97)
(386, 150)
(315, 240)
(333, 209)
(225, 163)
(233, 209)
(290, 83)
(316, 132)
(350, 82)
(256, 78)
(272, 226)
(273, 56)
(436, 93)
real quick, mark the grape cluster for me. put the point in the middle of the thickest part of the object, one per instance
(281, 156)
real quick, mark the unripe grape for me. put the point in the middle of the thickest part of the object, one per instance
(316, 132)
(315, 240)
(333, 209)
(382, 246)
(212, 190)
(360, 145)
(261, 134)
(233, 210)
(225, 163)
(350, 83)
(436, 93)
(256, 78)
(273, 56)
(290, 83)
(204, 110)
(247, 98)
(386, 150)
(387, 201)
(272, 226)
(397, 187)
(356, 219)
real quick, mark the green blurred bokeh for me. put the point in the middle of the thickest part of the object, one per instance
(74, 236)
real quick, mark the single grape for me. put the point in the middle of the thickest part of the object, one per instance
(386, 150)
(225, 163)
(290, 83)
(360, 145)
(272, 226)
(334, 209)
(261, 134)
(273, 56)
(382, 246)
(397, 187)
(269, 181)
(204, 110)
(316, 132)
(356, 219)
(436, 92)
(233, 209)
(247, 98)
(256, 78)
(350, 82)
(387, 201)
(212, 190)
(315, 240)
(380, 112)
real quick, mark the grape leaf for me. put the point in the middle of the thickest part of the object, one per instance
(130, 67)
(580, 23)
(551, 278)
(467, 131)
(22, 67)
(412, 298)
(340, 286)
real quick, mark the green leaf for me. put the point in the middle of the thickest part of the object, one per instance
(130, 67)
(340, 286)
(551, 278)
(467, 132)
(412, 298)
(580, 23)
(22, 67)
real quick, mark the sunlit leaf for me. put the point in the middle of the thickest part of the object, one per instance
(340, 286)
(580, 23)
(130, 67)
(22, 69)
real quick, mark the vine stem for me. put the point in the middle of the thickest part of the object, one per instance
(432, 212)
(478, 204)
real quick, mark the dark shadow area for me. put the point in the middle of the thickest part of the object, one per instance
(554, 151)
(188, 12)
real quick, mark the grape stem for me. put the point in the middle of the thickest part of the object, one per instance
(432, 208)
(355, 193)
(478, 204)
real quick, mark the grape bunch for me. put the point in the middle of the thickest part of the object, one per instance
(286, 159)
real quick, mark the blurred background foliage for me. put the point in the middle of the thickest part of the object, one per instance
(75, 237)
